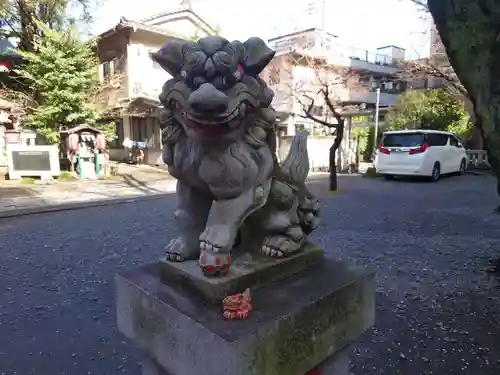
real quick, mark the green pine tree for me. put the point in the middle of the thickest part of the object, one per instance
(62, 75)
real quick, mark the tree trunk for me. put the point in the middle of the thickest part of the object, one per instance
(471, 36)
(339, 135)
(27, 26)
(333, 168)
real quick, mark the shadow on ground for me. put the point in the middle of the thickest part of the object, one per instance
(142, 186)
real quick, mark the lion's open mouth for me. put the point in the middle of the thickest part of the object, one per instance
(208, 123)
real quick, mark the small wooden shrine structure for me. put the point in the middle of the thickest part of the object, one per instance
(83, 150)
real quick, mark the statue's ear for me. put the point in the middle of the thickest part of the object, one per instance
(170, 56)
(257, 55)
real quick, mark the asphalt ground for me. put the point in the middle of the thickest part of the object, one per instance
(438, 310)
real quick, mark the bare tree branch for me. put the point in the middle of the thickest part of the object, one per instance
(424, 68)
(320, 89)
(430, 67)
(315, 84)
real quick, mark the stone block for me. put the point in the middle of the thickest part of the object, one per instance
(247, 271)
(297, 323)
(337, 364)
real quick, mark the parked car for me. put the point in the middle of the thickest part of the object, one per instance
(424, 153)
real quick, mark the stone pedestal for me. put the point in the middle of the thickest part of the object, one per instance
(306, 320)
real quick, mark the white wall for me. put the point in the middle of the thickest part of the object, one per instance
(318, 149)
(146, 78)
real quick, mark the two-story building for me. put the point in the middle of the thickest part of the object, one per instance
(133, 80)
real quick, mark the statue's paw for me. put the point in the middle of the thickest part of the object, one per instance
(279, 246)
(176, 252)
(214, 264)
(309, 204)
(217, 238)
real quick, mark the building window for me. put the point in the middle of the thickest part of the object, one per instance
(111, 67)
(317, 111)
(327, 44)
(299, 127)
(146, 129)
(106, 69)
(156, 140)
(118, 64)
(139, 129)
(152, 126)
(119, 135)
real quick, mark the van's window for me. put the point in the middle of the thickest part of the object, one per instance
(435, 139)
(454, 142)
(403, 140)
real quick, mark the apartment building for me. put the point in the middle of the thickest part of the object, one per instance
(293, 75)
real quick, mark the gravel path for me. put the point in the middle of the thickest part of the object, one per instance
(438, 311)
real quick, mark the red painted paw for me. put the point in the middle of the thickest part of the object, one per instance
(214, 264)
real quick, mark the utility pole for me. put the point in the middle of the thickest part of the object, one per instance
(377, 105)
(323, 25)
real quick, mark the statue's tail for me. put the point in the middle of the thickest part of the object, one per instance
(296, 164)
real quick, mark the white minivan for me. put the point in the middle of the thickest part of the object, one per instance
(426, 153)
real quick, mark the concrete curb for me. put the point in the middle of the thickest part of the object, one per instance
(78, 205)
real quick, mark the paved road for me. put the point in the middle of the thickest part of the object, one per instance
(438, 312)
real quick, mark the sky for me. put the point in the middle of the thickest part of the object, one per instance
(365, 24)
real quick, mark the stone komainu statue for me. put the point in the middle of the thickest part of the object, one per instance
(219, 139)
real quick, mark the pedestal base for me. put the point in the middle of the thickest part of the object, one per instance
(297, 323)
(337, 364)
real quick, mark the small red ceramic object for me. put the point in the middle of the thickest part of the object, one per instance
(237, 306)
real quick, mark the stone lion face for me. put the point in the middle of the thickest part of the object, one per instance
(215, 88)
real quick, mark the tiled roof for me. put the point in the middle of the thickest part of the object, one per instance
(126, 24)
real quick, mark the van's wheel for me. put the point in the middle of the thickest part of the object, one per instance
(389, 177)
(463, 166)
(436, 172)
